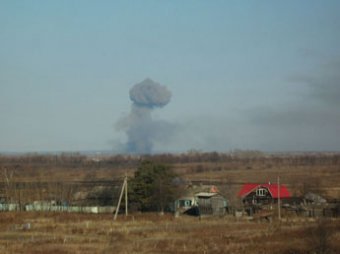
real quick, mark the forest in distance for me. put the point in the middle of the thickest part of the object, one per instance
(78, 159)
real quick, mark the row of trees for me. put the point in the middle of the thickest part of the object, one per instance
(76, 160)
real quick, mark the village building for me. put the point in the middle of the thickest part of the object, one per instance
(258, 196)
(186, 205)
(204, 202)
(253, 193)
(211, 203)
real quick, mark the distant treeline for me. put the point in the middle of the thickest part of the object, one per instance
(77, 160)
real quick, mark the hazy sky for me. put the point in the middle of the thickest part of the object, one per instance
(243, 74)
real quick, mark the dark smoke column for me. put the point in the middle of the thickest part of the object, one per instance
(141, 130)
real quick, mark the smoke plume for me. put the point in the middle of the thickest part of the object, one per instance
(149, 94)
(141, 130)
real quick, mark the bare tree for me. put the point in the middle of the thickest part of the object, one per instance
(9, 186)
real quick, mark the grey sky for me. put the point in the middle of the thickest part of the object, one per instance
(242, 74)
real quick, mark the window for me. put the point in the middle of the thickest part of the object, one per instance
(261, 192)
(184, 203)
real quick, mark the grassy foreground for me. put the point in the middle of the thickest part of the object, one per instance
(151, 233)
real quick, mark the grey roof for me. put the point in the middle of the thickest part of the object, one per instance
(206, 194)
(315, 198)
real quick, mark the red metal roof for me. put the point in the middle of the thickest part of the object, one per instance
(272, 188)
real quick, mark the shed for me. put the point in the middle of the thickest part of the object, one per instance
(202, 203)
(211, 203)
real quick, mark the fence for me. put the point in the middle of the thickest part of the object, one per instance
(44, 207)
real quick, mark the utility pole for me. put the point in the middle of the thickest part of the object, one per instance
(278, 198)
(126, 195)
(124, 189)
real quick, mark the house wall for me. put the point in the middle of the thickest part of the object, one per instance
(252, 198)
(215, 205)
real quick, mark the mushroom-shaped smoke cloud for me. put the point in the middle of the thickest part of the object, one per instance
(149, 94)
(142, 131)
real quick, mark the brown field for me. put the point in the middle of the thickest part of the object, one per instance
(35, 177)
(152, 233)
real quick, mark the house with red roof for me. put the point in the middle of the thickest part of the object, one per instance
(258, 194)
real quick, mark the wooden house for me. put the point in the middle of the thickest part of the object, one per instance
(257, 197)
(211, 203)
(262, 194)
(202, 203)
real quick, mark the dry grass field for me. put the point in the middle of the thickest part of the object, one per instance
(39, 178)
(152, 233)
